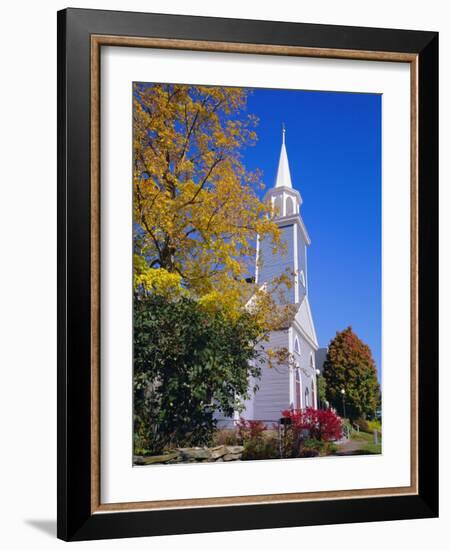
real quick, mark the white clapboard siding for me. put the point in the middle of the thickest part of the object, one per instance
(273, 394)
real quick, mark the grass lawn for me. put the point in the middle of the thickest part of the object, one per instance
(367, 443)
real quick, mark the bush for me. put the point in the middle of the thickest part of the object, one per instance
(332, 448)
(258, 444)
(362, 424)
(374, 425)
(188, 364)
(226, 437)
(312, 447)
(314, 444)
(368, 426)
(260, 449)
(316, 447)
(322, 425)
(310, 425)
(250, 429)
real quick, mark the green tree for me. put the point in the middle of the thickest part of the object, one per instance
(349, 366)
(188, 363)
(322, 390)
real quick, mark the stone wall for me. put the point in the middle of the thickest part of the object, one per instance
(222, 453)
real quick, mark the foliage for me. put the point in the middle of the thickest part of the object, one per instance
(368, 444)
(226, 437)
(315, 447)
(332, 448)
(157, 281)
(259, 443)
(349, 366)
(313, 444)
(322, 390)
(374, 425)
(368, 426)
(188, 363)
(362, 424)
(321, 425)
(260, 449)
(312, 425)
(347, 427)
(250, 429)
(196, 207)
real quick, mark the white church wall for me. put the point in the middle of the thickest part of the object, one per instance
(301, 254)
(273, 394)
(306, 362)
(274, 264)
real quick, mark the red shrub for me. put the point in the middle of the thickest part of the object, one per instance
(250, 429)
(323, 425)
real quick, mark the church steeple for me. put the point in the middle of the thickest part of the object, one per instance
(283, 172)
(286, 200)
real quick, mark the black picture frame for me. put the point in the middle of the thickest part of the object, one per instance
(75, 518)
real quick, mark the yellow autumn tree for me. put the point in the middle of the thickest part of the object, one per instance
(196, 206)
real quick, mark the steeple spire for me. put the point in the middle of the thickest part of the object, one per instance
(283, 173)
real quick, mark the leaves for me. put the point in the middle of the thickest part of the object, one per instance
(188, 363)
(322, 425)
(349, 366)
(196, 208)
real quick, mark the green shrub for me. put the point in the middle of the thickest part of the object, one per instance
(363, 425)
(315, 447)
(260, 449)
(368, 426)
(188, 364)
(374, 425)
(314, 444)
(332, 448)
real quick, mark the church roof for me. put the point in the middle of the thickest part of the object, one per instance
(303, 319)
(283, 173)
(300, 314)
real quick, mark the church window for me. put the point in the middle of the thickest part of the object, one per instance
(289, 206)
(297, 346)
(307, 403)
(278, 207)
(298, 390)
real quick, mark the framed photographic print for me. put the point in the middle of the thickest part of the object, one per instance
(247, 274)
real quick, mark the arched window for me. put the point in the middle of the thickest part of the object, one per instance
(298, 389)
(307, 403)
(289, 206)
(297, 346)
(278, 207)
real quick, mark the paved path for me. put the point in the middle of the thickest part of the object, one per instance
(350, 447)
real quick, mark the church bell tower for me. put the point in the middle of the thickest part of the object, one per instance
(292, 257)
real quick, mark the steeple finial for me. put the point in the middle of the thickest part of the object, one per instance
(283, 132)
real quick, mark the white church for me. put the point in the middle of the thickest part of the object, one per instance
(294, 385)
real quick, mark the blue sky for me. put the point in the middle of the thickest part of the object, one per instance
(333, 142)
